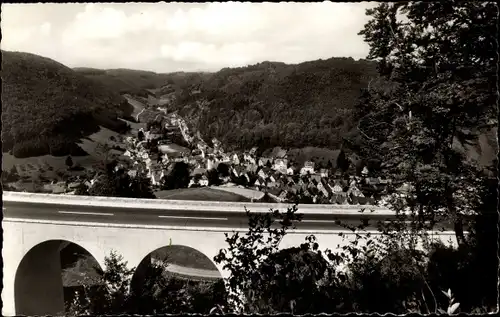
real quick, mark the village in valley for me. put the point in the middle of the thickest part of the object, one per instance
(156, 146)
(155, 151)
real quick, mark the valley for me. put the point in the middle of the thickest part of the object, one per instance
(204, 119)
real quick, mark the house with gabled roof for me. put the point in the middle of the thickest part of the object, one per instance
(323, 187)
(341, 200)
(245, 174)
(372, 180)
(362, 200)
(203, 181)
(316, 177)
(251, 168)
(291, 170)
(273, 177)
(198, 171)
(249, 158)
(242, 171)
(365, 171)
(283, 194)
(156, 177)
(274, 193)
(262, 173)
(312, 185)
(337, 187)
(304, 185)
(224, 158)
(352, 200)
(260, 182)
(263, 161)
(271, 184)
(294, 189)
(280, 165)
(234, 171)
(308, 168)
(278, 152)
(405, 188)
(253, 151)
(323, 172)
(215, 142)
(132, 173)
(237, 158)
(354, 191)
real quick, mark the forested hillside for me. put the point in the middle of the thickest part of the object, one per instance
(137, 82)
(275, 104)
(47, 107)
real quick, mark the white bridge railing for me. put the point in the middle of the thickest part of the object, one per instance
(180, 205)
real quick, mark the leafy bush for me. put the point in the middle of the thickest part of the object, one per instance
(116, 292)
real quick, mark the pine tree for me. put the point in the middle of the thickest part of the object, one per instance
(69, 161)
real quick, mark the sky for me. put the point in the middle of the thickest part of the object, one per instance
(168, 37)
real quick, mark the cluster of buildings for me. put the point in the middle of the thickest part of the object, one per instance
(286, 181)
(276, 175)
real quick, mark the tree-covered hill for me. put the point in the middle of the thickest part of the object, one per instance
(137, 82)
(274, 104)
(47, 107)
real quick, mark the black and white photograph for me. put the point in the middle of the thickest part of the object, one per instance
(250, 158)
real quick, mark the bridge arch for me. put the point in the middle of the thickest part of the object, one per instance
(42, 285)
(181, 262)
(198, 243)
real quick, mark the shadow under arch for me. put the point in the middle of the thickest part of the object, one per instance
(47, 276)
(181, 265)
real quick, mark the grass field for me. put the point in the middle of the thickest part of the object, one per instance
(245, 192)
(183, 256)
(320, 155)
(200, 193)
(172, 148)
(53, 168)
(80, 272)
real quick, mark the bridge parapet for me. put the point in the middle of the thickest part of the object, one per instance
(184, 205)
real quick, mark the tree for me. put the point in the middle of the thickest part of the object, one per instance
(114, 291)
(223, 169)
(139, 186)
(245, 254)
(342, 161)
(329, 165)
(69, 161)
(11, 176)
(82, 190)
(213, 178)
(117, 183)
(103, 150)
(111, 294)
(438, 88)
(140, 135)
(178, 177)
(14, 175)
(297, 280)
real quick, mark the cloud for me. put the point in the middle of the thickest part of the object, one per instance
(45, 28)
(169, 37)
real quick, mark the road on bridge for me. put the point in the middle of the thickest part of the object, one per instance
(159, 217)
